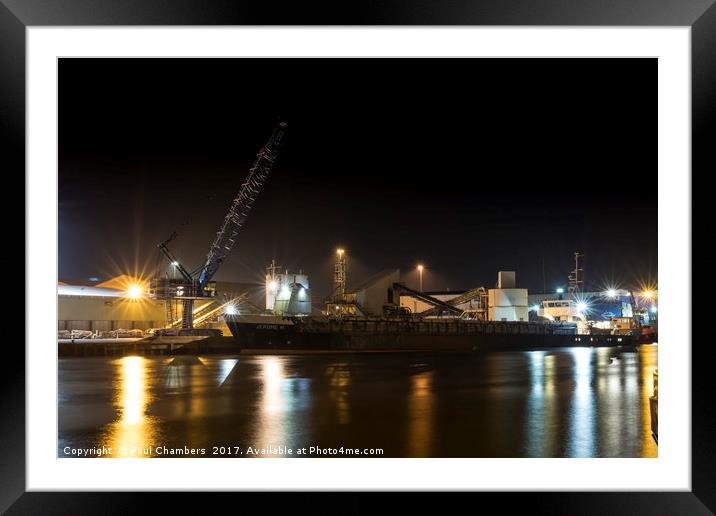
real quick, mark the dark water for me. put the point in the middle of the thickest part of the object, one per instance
(563, 403)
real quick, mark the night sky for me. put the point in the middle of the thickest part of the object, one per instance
(468, 166)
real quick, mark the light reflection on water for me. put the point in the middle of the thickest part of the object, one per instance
(582, 434)
(562, 403)
(340, 379)
(536, 420)
(420, 414)
(133, 428)
(274, 402)
(283, 399)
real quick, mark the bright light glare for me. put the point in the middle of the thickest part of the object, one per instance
(134, 292)
(653, 309)
(611, 293)
(340, 251)
(648, 294)
(560, 290)
(231, 310)
(420, 267)
(581, 306)
(273, 285)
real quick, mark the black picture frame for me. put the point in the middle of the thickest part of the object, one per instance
(17, 15)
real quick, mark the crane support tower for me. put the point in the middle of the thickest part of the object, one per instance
(339, 276)
(197, 284)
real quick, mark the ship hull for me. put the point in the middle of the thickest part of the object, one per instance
(402, 336)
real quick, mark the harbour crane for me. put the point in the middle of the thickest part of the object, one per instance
(198, 284)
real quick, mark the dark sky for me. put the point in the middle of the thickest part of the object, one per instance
(468, 166)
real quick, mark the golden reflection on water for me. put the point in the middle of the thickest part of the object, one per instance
(198, 425)
(134, 430)
(274, 425)
(273, 401)
(340, 379)
(581, 403)
(648, 358)
(283, 402)
(420, 413)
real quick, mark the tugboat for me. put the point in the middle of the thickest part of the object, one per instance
(654, 408)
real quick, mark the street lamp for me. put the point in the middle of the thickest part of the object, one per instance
(420, 273)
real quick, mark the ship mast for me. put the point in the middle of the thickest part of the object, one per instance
(576, 278)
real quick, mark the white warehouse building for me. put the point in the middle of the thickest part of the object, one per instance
(506, 302)
(287, 293)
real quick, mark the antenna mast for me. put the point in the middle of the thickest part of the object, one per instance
(576, 280)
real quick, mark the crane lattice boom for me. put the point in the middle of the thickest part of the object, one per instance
(241, 206)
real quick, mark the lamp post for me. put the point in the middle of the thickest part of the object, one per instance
(420, 273)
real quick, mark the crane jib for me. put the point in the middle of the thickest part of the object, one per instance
(241, 206)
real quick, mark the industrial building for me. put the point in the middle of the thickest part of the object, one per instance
(371, 295)
(503, 303)
(122, 303)
(367, 298)
(384, 294)
(286, 293)
(416, 305)
(507, 302)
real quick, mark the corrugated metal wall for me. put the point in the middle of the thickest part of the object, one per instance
(107, 314)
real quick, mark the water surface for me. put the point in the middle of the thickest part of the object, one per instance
(578, 402)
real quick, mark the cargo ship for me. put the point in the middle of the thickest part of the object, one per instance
(383, 314)
(394, 334)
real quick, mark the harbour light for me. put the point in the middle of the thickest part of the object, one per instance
(134, 292)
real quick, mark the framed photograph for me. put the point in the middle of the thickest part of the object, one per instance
(407, 250)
